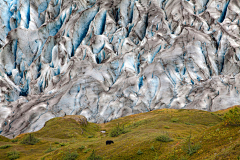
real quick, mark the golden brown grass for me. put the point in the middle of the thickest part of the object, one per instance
(217, 140)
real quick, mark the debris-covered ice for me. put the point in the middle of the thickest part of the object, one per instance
(106, 59)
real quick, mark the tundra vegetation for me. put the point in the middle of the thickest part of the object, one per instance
(190, 134)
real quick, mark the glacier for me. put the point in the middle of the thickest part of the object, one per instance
(105, 59)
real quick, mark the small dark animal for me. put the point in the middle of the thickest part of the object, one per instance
(109, 142)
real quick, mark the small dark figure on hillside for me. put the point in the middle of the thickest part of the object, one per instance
(109, 142)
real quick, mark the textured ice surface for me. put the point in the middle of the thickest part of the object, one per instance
(107, 59)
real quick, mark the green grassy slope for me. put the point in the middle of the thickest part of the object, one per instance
(187, 128)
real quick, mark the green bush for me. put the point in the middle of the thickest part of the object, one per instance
(56, 142)
(167, 127)
(152, 148)
(62, 144)
(90, 136)
(30, 139)
(70, 156)
(50, 149)
(117, 131)
(93, 156)
(174, 120)
(13, 155)
(139, 152)
(164, 138)
(191, 149)
(5, 146)
(14, 140)
(86, 150)
(232, 117)
(82, 147)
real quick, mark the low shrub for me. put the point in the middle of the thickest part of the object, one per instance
(5, 146)
(93, 156)
(139, 152)
(82, 147)
(14, 140)
(152, 148)
(56, 142)
(50, 149)
(191, 149)
(30, 139)
(167, 127)
(117, 131)
(13, 155)
(86, 150)
(62, 144)
(70, 156)
(90, 136)
(232, 117)
(174, 120)
(164, 138)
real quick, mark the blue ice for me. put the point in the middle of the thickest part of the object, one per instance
(82, 26)
(224, 12)
(100, 22)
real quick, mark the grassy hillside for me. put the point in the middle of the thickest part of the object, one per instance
(192, 134)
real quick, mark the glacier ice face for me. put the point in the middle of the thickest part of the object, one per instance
(105, 59)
